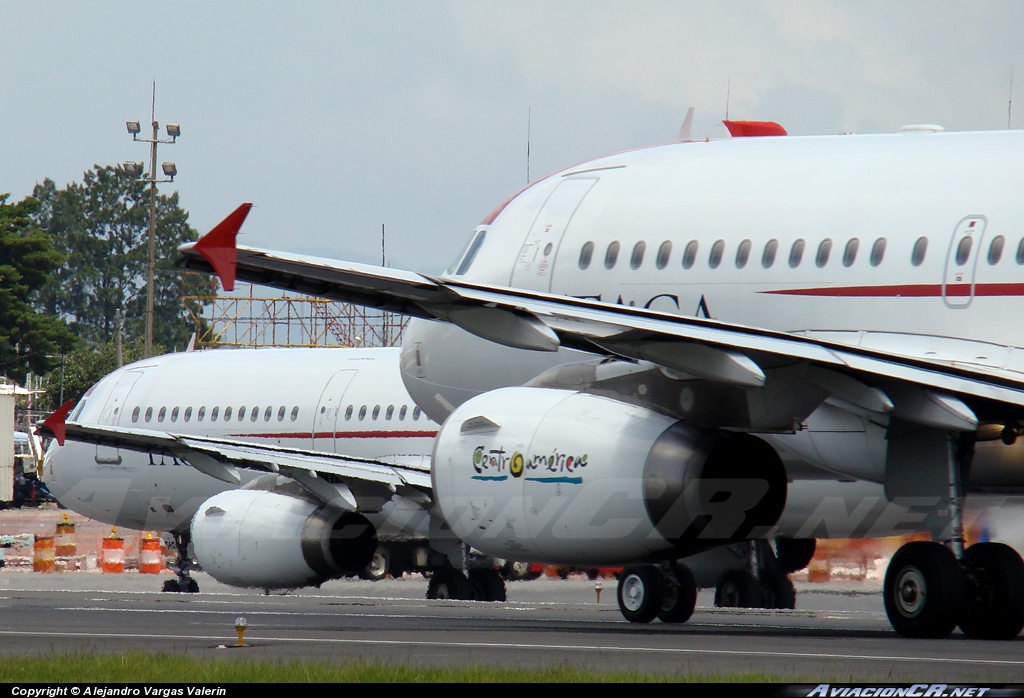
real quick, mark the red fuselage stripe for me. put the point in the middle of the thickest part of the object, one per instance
(340, 435)
(906, 291)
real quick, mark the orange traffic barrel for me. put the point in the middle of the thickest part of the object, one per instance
(44, 557)
(151, 559)
(112, 560)
(65, 538)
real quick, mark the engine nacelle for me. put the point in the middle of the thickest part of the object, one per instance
(274, 540)
(563, 477)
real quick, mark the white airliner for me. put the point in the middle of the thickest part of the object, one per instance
(301, 402)
(658, 331)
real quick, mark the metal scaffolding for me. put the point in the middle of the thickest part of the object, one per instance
(241, 320)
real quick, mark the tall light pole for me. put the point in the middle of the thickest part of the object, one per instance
(135, 169)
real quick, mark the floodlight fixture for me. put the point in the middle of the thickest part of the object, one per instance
(133, 127)
(169, 169)
(173, 130)
(133, 169)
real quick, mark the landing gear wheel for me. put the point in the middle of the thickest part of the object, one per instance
(679, 597)
(171, 586)
(779, 591)
(993, 605)
(378, 567)
(489, 584)
(640, 593)
(924, 590)
(739, 589)
(449, 583)
(516, 571)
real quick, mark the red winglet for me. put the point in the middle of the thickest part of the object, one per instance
(55, 422)
(218, 246)
(750, 129)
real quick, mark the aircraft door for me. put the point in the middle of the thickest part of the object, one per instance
(961, 262)
(325, 418)
(535, 263)
(112, 413)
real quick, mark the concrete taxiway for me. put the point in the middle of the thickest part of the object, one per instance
(837, 633)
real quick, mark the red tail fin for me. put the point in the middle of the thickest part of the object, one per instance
(55, 422)
(218, 246)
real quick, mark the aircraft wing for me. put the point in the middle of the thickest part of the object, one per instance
(942, 394)
(351, 484)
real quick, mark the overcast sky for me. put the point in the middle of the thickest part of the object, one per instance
(337, 117)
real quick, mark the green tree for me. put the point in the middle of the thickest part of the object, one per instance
(102, 225)
(76, 372)
(29, 340)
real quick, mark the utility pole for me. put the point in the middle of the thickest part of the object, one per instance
(135, 169)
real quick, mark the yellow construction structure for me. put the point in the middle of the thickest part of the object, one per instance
(249, 320)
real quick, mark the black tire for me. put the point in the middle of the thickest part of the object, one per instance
(993, 603)
(640, 593)
(739, 589)
(378, 567)
(449, 583)
(794, 554)
(489, 584)
(171, 586)
(779, 591)
(679, 597)
(192, 586)
(923, 590)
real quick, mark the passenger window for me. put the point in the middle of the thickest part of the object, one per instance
(612, 255)
(161, 414)
(202, 413)
(390, 413)
(174, 415)
(376, 412)
(227, 413)
(743, 254)
(715, 258)
(664, 252)
(877, 252)
(963, 251)
(995, 250)
(188, 413)
(348, 412)
(295, 413)
(149, 414)
(768, 258)
(1020, 252)
(280, 414)
(416, 412)
(824, 250)
(362, 413)
(401, 413)
(586, 254)
(920, 250)
(637, 258)
(241, 413)
(690, 254)
(474, 247)
(796, 253)
(214, 413)
(850, 253)
(135, 414)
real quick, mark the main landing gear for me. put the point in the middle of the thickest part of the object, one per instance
(771, 586)
(482, 584)
(182, 566)
(665, 592)
(928, 592)
(931, 588)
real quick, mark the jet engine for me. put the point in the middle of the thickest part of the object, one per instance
(278, 539)
(557, 476)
